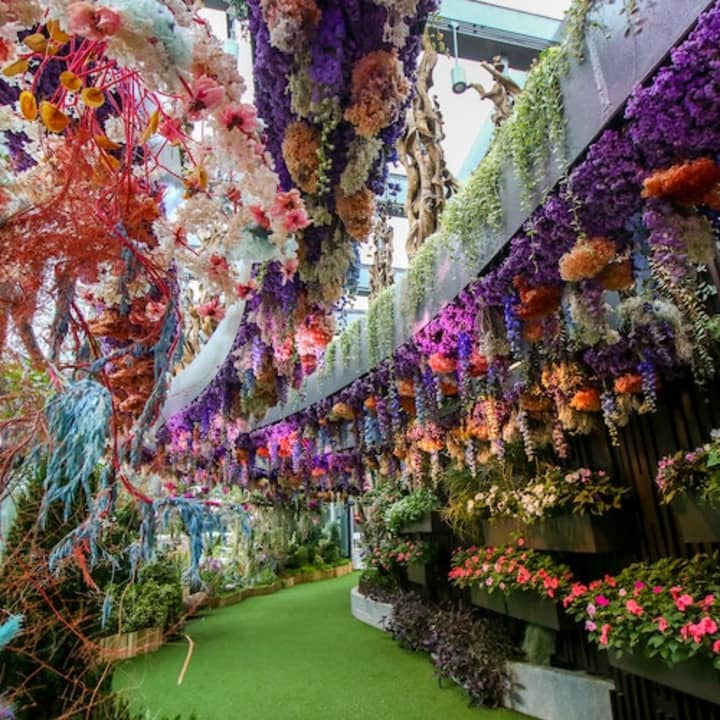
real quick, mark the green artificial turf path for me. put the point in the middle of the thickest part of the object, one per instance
(295, 655)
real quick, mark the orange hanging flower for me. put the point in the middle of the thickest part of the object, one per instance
(587, 258)
(93, 97)
(448, 387)
(405, 388)
(70, 81)
(478, 365)
(442, 364)
(586, 400)
(28, 105)
(617, 276)
(371, 403)
(54, 119)
(686, 183)
(408, 405)
(300, 151)
(343, 411)
(630, 383)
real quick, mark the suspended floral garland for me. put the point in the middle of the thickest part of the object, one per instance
(334, 82)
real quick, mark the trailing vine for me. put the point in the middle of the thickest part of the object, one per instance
(381, 326)
(536, 129)
(477, 207)
(348, 340)
(421, 272)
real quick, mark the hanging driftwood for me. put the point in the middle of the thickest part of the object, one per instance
(430, 183)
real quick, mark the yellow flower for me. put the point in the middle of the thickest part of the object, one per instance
(93, 97)
(110, 162)
(56, 33)
(54, 119)
(70, 81)
(28, 105)
(151, 128)
(37, 42)
(105, 143)
(15, 68)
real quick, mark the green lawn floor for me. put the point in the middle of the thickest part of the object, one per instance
(295, 655)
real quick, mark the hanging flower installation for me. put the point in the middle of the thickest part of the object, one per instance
(333, 84)
(599, 299)
(130, 165)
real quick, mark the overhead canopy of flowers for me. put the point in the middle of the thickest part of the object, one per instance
(598, 300)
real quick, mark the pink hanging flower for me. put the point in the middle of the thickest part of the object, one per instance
(633, 608)
(94, 23)
(171, 129)
(707, 602)
(296, 220)
(602, 601)
(212, 309)
(590, 626)
(240, 117)
(662, 623)
(716, 647)
(205, 94)
(260, 217)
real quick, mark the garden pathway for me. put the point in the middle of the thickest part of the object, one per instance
(294, 655)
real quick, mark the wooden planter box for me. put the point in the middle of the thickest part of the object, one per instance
(220, 601)
(495, 601)
(261, 590)
(123, 646)
(526, 606)
(565, 533)
(696, 677)
(429, 523)
(342, 570)
(417, 574)
(696, 521)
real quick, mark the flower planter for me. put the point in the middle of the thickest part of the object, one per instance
(261, 590)
(696, 521)
(480, 597)
(372, 612)
(342, 570)
(564, 533)
(537, 610)
(123, 646)
(417, 574)
(695, 677)
(429, 523)
(526, 606)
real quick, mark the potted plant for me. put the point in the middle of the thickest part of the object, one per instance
(690, 483)
(658, 620)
